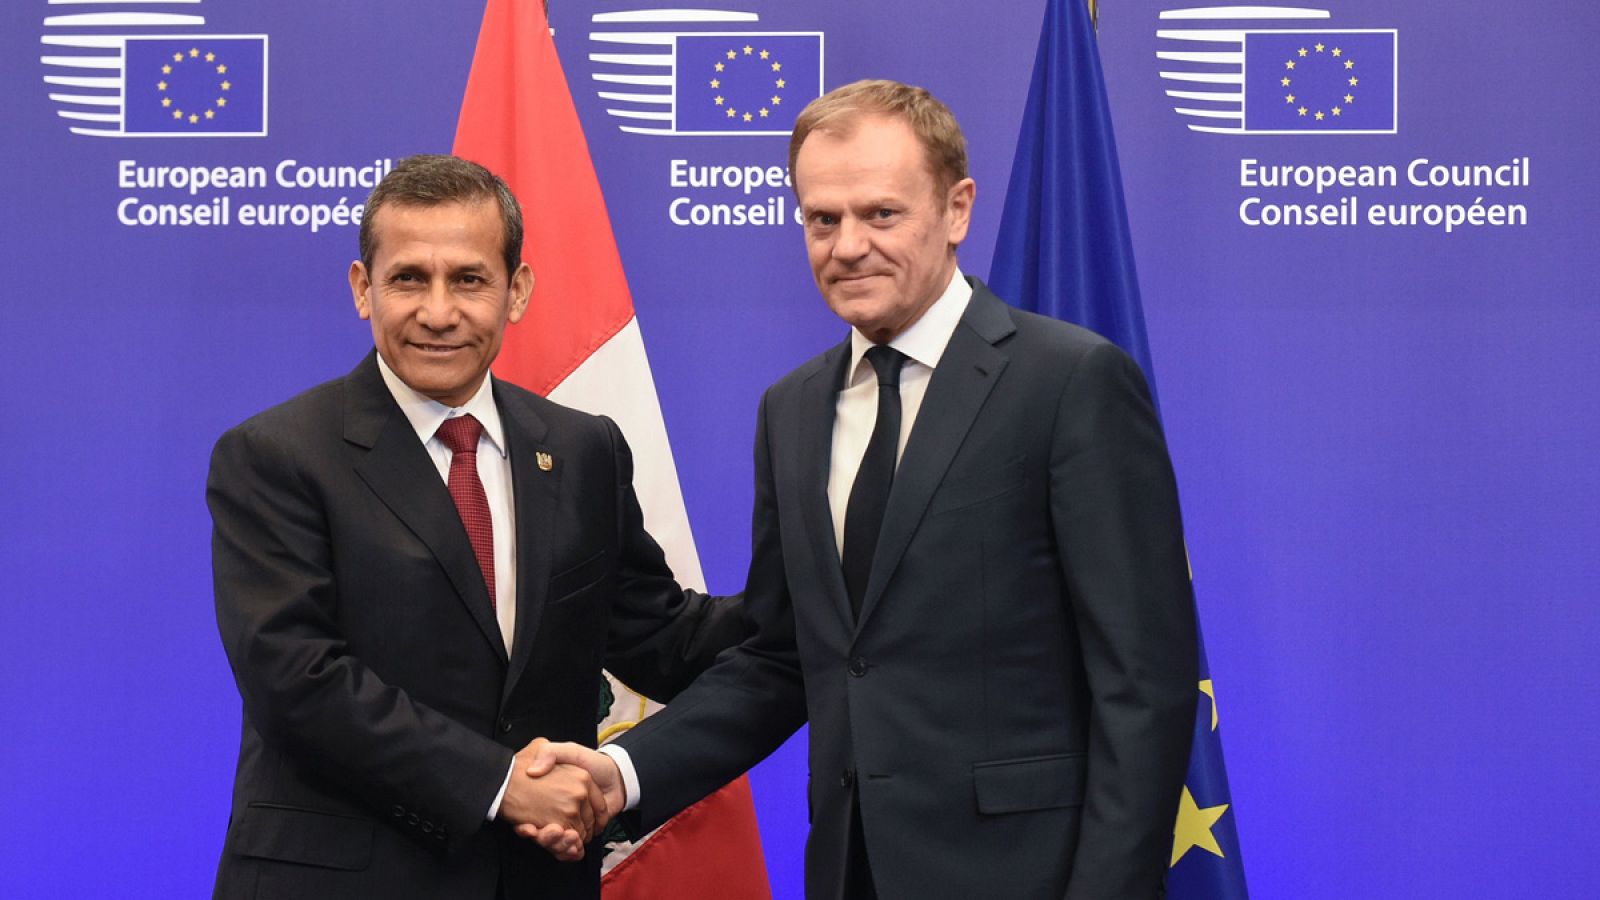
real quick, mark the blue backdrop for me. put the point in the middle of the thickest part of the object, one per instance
(1382, 423)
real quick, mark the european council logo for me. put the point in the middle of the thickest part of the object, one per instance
(154, 85)
(658, 78)
(1285, 80)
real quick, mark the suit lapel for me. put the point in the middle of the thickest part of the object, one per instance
(966, 374)
(536, 493)
(819, 400)
(399, 471)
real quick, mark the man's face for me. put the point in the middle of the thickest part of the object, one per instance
(880, 233)
(438, 295)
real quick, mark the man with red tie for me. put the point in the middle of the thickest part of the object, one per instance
(418, 569)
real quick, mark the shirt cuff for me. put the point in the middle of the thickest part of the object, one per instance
(630, 778)
(494, 808)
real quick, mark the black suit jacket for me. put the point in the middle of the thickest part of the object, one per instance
(381, 709)
(1013, 707)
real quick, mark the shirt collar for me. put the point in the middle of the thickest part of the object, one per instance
(925, 340)
(426, 414)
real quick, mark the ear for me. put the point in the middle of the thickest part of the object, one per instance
(360, 288)
(521, 289)
(958, 209)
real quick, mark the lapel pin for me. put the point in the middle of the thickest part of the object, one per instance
(544, 460)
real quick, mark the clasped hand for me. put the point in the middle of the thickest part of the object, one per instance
(562, 796)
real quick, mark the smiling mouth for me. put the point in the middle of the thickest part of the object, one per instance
(437, 348)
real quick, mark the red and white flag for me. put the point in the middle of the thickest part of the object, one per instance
(580, 345)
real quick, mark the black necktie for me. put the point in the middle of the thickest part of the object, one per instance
(863, 515)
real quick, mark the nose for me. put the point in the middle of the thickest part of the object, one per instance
(850, 242)
(438, 310)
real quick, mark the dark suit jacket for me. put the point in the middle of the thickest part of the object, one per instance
(381, 709)
(1014, 705)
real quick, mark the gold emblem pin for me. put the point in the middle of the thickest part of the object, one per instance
(544, 460)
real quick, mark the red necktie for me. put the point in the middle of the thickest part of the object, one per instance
(461, 436)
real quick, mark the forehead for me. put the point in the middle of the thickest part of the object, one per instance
(458, 230)
(873, 153)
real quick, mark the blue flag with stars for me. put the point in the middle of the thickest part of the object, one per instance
(1064, 249)
(1311, 81)
(196, 86)
(744, 83)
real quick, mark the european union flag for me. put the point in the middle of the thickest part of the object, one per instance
(1064, 249)
(744, 83)
(195, 86)
(1315, 81)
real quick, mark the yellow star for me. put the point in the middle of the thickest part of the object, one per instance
(227, 85)
(222, 101)
(765, 54)
(732, 54)
(1336, 110)
(166, 70)
(193, 119)
(731, 113)
(763, 112)
(748, 117)
(748, 49)
(1289, 99)
(1289, 64)
(177, 57)
(161, 85)
(719, 67)
(1319, 115)
(211, 57)
(1302, 51)
(222, 69)
(716, 82)
(1349, 64)
(177, 114)
(777, 67)
(1210, 691)
(719, 101)
(776, 100)
(1354, 81)
(211, 114)
(1337, 52)
(166, 101)
(1302, 110)
(781, 82)
(1319, 48)
(193, 52)
(1194, 827)
(1349, 98)
(1285, 81)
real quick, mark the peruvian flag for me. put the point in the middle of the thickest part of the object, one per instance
(580, 345)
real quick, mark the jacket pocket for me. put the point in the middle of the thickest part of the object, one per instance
(970, 490)
(579, 578)
(1035, 782)
(305, 836)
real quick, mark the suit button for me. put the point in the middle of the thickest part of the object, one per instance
(858, 667)
(505, 726)
(848, 778)
(427, 828)
(412, 819)
(399, 811)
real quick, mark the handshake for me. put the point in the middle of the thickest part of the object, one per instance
(562, 796)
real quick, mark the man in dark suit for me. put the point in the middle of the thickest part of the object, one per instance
(968, 568)
(418, 569)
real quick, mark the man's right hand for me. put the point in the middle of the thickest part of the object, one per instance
(561, 807)
(601, 769)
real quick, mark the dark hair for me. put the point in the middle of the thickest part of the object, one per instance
(433, 179)
(935, 126)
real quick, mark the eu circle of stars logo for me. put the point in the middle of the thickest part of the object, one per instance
(1323, 107)
(746, 85)
(193, 86)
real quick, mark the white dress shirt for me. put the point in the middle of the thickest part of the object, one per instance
(494, 470)
(857, 411)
